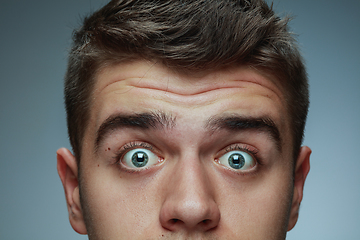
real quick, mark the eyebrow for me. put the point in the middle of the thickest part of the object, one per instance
(237, 123)
(155, 120)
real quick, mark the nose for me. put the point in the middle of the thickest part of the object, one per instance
(189, 202)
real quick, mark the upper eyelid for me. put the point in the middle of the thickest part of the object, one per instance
(137, 144)
(254, 152)
(241, 147)
(133, 145)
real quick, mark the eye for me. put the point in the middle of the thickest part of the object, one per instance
(139, 158)
(237, 160)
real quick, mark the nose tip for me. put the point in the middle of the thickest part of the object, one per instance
(190, 215)
(189, 202)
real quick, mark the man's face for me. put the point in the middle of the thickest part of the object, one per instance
(178, 156)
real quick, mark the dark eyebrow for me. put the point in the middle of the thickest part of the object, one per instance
(145, 120)
(235, 123)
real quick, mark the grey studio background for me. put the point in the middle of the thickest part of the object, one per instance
(34, 39)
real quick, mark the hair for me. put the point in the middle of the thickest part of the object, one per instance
(191, 35)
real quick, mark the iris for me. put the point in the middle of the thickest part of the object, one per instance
(139, 159)
(236, 160)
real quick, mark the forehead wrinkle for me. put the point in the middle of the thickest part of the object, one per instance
(267, 86)
(149, 74)
(106, 71)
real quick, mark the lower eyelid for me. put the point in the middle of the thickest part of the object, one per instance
(140, 170)
(246, 173)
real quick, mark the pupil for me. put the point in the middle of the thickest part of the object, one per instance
(236, 161)
(140, 159)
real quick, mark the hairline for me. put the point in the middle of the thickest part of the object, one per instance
(287, 74)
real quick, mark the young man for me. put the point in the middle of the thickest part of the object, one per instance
(186, 119)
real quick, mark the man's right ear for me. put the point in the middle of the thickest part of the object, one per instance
(68, 172)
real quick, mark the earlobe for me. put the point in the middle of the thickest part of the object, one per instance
(68, 172)
(302, 169)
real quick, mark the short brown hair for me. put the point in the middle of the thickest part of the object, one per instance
(184, 34)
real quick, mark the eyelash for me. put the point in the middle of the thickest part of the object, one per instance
(129, 146)
(244, 148)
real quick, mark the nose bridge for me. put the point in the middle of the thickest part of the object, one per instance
(191, 170)
(189, 202)
(191, 187)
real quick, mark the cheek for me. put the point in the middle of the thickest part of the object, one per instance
(119, 204)
(260, 208)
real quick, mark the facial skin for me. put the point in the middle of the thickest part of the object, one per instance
(188, 126)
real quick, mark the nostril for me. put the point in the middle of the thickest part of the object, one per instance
(174, 224)
(174, 220)
(208, 224)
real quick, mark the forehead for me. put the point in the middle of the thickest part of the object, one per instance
(155, 75)
(192, 98)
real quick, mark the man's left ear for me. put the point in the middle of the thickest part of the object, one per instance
(301, 171)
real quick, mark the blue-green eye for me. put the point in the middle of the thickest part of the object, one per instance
(237, 160)
(139, 158)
